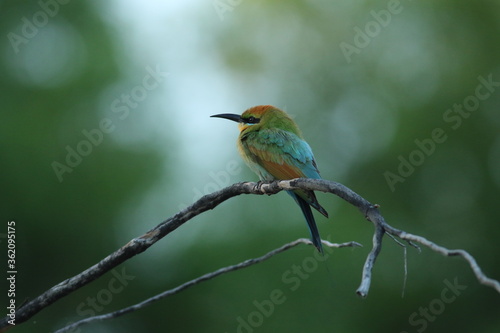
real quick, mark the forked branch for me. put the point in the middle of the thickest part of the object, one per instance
(210, 201)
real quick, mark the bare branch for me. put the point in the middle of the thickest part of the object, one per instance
(370, 262)
(481, 277)
(198, 280)
(210, 201)
(375, 217)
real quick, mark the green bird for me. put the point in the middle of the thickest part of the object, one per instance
(272, 145)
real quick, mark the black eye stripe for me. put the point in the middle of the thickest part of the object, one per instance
(251, 120)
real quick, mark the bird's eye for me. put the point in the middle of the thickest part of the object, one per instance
(252, 120)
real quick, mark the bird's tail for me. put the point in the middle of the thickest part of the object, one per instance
(313, 229)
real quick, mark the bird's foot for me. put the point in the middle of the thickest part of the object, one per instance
(258, 186)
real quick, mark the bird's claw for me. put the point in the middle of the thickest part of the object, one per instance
(258, 186)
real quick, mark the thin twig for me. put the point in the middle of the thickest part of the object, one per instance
(481, 277)
(198, 280)
(405, 259)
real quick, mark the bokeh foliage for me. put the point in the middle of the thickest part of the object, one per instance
(361, 114)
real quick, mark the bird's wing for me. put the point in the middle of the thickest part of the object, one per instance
(283, 154)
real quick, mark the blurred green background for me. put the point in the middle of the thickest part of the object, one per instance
(129, 86)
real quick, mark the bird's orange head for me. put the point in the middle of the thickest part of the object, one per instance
(262, 117)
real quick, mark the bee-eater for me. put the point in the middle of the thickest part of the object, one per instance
(272, 145)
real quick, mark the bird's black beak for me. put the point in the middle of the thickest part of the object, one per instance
(230, 116)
